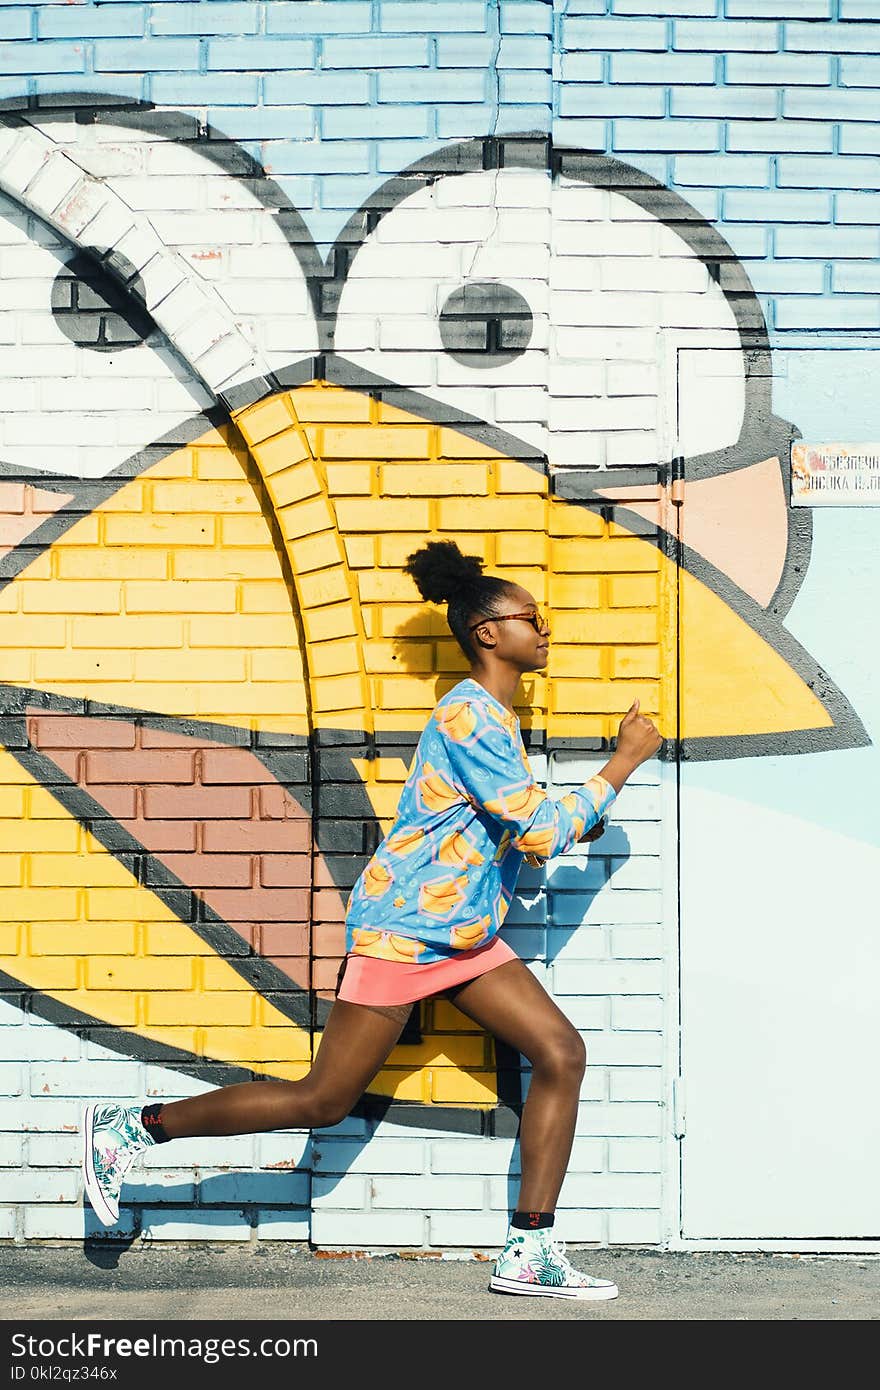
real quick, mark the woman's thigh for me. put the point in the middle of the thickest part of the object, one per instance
(355, 1044)
(511, 1004)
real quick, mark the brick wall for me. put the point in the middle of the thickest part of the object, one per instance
(205, 601)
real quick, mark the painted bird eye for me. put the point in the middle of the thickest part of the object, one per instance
(93, 311)
(485, 324)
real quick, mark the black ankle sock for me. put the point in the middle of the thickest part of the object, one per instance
(151, 1119)
(531, 1220)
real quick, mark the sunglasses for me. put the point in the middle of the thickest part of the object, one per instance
(537, 620)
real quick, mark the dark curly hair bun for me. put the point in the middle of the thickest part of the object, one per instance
(442, 573)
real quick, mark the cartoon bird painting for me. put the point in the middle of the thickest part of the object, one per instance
(216, 458)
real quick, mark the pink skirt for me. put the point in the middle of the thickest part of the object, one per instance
(369, 980)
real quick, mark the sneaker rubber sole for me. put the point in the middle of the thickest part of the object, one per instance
(498, 1284)
(101, 1207)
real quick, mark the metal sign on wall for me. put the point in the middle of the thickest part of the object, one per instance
(835, 475)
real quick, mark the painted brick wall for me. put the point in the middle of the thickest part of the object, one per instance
(757, 116)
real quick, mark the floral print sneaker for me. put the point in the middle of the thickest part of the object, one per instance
(113, 1137)
(532, 1262)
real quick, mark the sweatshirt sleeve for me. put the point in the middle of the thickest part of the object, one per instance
(491, 770)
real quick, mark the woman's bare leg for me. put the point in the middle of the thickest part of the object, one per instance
(510, 1003)
(354, 1045)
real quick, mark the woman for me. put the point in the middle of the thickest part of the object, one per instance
(423, 918)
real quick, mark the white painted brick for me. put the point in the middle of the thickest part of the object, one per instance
(611, 1190)
(7, 1223)
(62, 1223)
(617, 1119)
(158, 1186)
(636, 1083)
(587, 1014)
(282, 1226)
(82, 1079)
(45, 1115)
(379, 1156)
(368, 1229)
(634, 1228)
(477, 1230)
(637, 943)
(12, 1150)
(282, 1149)
(161, 1224)
(585, 943)
(637, 871)
(427, 1193)
(11, 1079)
(345, 1192)
(637, 1013)
(55, 180)
(45, 1185)
(635, 1155)
(625, 1049)
(474, 1156)
(53, 1150)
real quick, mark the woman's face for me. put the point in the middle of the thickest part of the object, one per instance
(514, 639)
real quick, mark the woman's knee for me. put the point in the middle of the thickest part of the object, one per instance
(562, 1054)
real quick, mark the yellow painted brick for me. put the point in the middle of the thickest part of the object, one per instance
(492, 514)
(218, 975)
(315, 552)
(434, 479)
(226, 1008)
(82, 665)
(568, 519)
(402, 692)
(324, 586)
(391, 656)
(131, 498)
(51, 633)
(241, 630)
(82, 938)
(602, 697)
(12, 804)
(582, 661)
(305, 518)
(251, 531)
(399, 721)
(448, 657)
(98, 869)
(71, 596)
(257, 1044)
(534, 580)
(18, 668)
(400, 1084)
(225, 564)
(327, 403)
(201, 665)
(204, 498)
(11, 870)
(223, 701)
(630, 662)
(41, 972)
(264, 597)
(38, 905)
(180, 1039)
(329, 622)
(180, 596)
(513, 476)
(171, 939)
(360, 551)
(375, 442)
(88, 562)
(453, 444)
(136, 630)
(412, 620)
(115, 1007)
(221, 465)
(280, 452)
(633, 590)
(575, 591)
(446, 1018)
(337, 693)
(266, 418)
(295, 484)
(163, 530)
(136, 973)
(378, 514)
(615, 528)
(122, 904)
(338, 658)
(275, 666)
(450, 1086)
(384, 586)
(51, 837)
(343, 479)
(618, 626)
(10, 939)
(394, 551)
(603, 556)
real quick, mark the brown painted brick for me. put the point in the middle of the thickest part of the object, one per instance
(256, 837)
(272, 904)
(198, 803)
(285, 870)
(207, 870)
(156, 767)
(233, 765)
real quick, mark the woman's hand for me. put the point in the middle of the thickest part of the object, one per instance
(595, 831)
(638, 738)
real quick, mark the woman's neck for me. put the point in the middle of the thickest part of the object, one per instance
(500, 682)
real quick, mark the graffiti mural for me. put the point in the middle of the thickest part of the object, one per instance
(216, 457)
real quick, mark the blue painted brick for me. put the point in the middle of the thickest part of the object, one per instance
(785, 277)
(154, 55)
(669, 68)
(526, 17)
(826, 243)
(81, 21)
(536, 52)
(211, 17)
(460, 122)
(850, 312)
(780, 69)
(779, 9)
(451, 18)
(16, 24)
(375, 51)
(318, 17)
(351, 123)
(449, 84)
(795, 171)
(260, 55)
(314, 157)
(465, 50)
(666, 135)
(344, 192)
(224, 89)
(512, 119)
(860, 9)
(316, 89)
(776, 206)
(12, 94)
(525, 87)
(587, 135)
(856, 279)
(741, 171)
(394, 155)
(860, 139)
(581, 67)
(124, 86)
(265, 123)
(578, 100)
(857, 207)
(780, 135)
(833, 105)
(700, 9)
(860, 72)
(725, 36)
(29, 58)
(627, 34)
(833, 38)
(722, 101)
